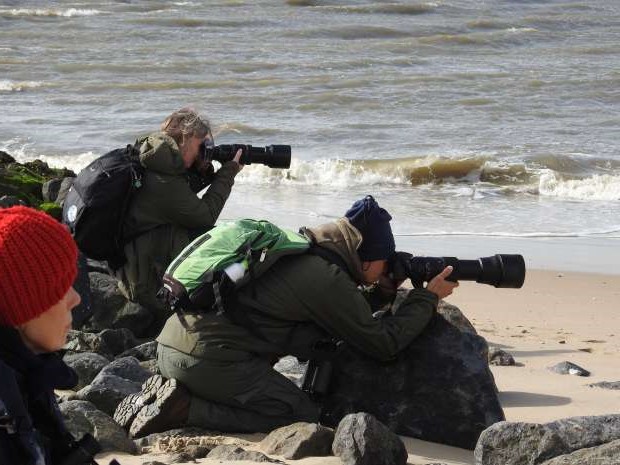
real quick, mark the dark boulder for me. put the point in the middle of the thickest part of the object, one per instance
(83, 417)
(362, 440)
(439, 389)
(110, 309)
(517, 443)
(87, 365)
(56, 189)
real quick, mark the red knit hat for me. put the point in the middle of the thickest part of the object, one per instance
(38, 264)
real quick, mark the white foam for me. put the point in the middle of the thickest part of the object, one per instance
(597, 187)
(12, 86)
(66, 13)
(327, 172)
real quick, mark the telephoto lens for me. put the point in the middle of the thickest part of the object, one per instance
(273, 156)
(500, 270)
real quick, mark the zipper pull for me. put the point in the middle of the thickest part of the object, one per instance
(262, 255)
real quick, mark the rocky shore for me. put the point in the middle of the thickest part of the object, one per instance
(441, 389)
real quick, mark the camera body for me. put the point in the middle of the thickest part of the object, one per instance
(273, 156)
(500, 270)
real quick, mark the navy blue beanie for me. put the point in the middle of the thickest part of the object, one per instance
(373, 222)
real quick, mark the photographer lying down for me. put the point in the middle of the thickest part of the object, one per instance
(218, 374)
(166, 214)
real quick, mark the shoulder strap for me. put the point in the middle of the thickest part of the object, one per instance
(330, 257)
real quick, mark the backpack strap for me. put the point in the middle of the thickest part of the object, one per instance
(330, 257)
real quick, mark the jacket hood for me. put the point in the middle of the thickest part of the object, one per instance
(160, 153)
(342, 238)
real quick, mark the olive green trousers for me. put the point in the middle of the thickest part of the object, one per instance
(243, 396)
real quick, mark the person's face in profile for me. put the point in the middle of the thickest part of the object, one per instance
(48, 332)
(373, 270)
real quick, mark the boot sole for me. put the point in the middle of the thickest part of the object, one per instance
(151, 419)
(129, 407)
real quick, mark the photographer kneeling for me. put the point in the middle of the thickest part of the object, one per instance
(165, 214)
(220, 373)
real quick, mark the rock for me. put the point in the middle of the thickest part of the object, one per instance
(299, 440)
(568, 368)
(25, 181)
(118, 340)
(454, 316)
(605, 454)
(65, 186)
(82, 312)
(586, 431)
(228, 452)
(450, 312)
(128, 368)
(7, 201)
(417, 394)
(498, 357)
(114, 382)
(614, 385)
(361, 439)
(83, 417)
(6, 158)
(78, 341)
(143, 352)
(87, 365)
(109, 342)
(50, 189)
(532, 443)
(111, 309)
(509, 443)
(292, 368)
(190, 454)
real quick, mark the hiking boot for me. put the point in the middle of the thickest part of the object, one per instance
(129, 407)
(170, 410)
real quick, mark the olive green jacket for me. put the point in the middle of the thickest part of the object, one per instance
(163, 215)
(301, 292)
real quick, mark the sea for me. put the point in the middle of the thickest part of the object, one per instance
(483, 127)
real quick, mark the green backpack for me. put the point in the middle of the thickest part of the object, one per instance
(208, 271)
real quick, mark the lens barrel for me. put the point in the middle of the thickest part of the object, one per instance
(273, 156)
(500, 270)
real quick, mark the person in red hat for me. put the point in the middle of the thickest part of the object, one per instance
(38, 264)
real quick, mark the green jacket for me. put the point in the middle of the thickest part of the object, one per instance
(164, 214)
(301, 292)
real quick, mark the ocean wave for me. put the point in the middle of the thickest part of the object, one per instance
(12, 86)
(596, 187)
(475, 176)
(327, 172)
(388, 8)
(49, 12)
(350, 33)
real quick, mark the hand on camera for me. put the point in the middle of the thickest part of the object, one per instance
(237, 158)
(440, 286)
(204, 168)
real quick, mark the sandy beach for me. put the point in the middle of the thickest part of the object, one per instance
(555, 317)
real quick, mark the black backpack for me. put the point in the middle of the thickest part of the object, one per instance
(96, 204)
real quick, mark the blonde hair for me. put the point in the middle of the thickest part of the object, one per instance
(184, 123)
